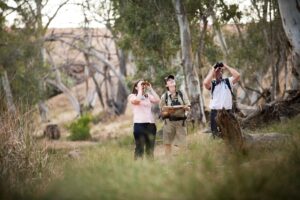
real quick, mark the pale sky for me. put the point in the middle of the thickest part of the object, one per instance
(71, 16)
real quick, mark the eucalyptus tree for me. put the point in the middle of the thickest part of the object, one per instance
(155, 31)
(152, 35)
(32, 23)
(22, 52)
(190, 72)
(290, 15)
(261, 53)
(116, 94)
(3, 72)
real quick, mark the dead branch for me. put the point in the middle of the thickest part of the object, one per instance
(273, 111)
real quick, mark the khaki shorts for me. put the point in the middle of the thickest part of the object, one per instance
(174, 132)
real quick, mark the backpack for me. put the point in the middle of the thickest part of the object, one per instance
(180, 94)
(214, 83)
(170, 117)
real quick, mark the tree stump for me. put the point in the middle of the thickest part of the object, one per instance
(52, 132)
(230, 129)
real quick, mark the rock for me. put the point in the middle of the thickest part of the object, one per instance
(75, 154)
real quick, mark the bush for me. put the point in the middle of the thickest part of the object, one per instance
(23, 160)
(80, 129)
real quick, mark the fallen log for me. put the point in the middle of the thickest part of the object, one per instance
(273, 111)
(265, 141)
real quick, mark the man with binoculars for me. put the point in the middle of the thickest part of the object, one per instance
(221, 91)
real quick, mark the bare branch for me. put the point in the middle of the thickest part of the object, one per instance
(55, 13)
(95, 53)
(254, 90)
(58, 84)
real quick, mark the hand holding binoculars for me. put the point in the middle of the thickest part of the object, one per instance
(218, 65)
(145, 83)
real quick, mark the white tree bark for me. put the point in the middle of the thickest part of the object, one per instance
(9, 97)
(191, 75)
(59, 84)
(43, 109)
(290, 15)
(220, 36)
(98, 55)
(66, 91)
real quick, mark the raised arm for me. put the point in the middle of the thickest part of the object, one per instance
(136, 99)
(155, 98)
(208, 78)
(235, 74)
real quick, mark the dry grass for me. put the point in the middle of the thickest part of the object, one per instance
(106, 170)
(23, 160)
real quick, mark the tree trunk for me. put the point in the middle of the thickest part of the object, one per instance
(191, 75)
(290, 15)
(59, 84)
(220, 36)
(121, 101)
(68, 93)
(122, 89)
(8, 94)
(109, 91)
(230, 129)
(98, 90)
(111, 67)
(43, 109)
(199, 54)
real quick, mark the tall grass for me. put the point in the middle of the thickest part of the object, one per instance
(206, 170)
(23, 160)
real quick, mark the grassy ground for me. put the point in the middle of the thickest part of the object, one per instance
(206, 170)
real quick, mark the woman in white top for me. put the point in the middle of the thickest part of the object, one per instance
(144, 129)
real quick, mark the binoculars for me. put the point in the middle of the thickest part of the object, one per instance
(145, 83)
(218, 65)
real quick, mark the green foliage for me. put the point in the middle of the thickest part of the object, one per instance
(18, 53)
(213, 53)
(288, 126)
(157, 81)
(80, 129)
(248, 56)
(21, 48)
(259, 47)
(151, 36)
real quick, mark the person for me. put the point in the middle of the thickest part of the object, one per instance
(144, 129)
(174, 130)
(221, 91)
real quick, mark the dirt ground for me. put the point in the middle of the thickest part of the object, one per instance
(62, 113)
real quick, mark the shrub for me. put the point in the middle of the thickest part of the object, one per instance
(23, 160)
(80, 129)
